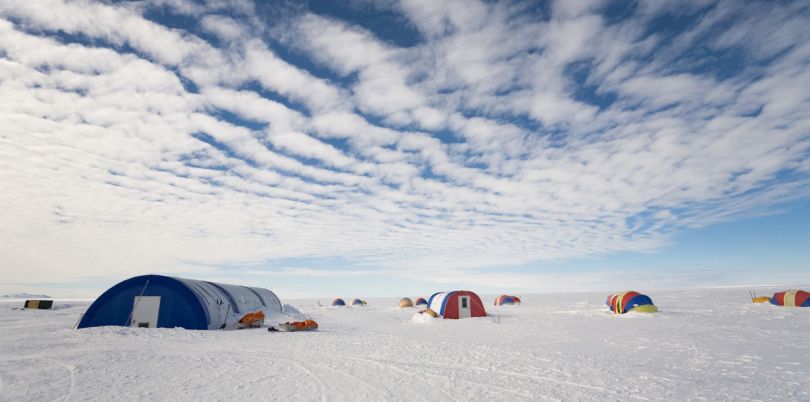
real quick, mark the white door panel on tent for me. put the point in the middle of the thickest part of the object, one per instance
(464, 307)
(145, 311)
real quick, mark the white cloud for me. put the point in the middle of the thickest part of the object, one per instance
(500, 138)
(277, 75)
(118, 25)
(251, 105)
(224, 27)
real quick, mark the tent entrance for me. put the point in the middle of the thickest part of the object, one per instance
(145, 311)
(464, 307)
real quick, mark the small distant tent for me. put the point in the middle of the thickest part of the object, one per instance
(338, 302)
(625, 302)
(457, 304)
(151, 301)
(358, 302)
(420, 302)
(506, 300)
(791, 298)
(405, 302)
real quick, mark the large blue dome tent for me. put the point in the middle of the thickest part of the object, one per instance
(156, 301)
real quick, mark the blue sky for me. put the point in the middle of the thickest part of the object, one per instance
(402, 147)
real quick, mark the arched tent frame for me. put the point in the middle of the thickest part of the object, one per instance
(505, 300)
(791, 298)
(625, 302)
(185, 303)
(439, 303)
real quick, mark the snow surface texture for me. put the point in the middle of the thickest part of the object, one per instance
(704, 344)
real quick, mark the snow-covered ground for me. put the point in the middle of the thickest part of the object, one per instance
(704, 344)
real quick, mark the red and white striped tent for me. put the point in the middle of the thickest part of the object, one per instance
(791, 298)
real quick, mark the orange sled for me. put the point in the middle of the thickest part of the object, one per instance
(252, 320)
(306, 325)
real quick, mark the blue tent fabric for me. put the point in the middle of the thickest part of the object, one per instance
(639, 300)
(184, 303)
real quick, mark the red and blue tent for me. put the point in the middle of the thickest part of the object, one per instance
(791, 298)
(506, 300)
(624, 302)
(338, 302)
(457, 304)
(420, 302)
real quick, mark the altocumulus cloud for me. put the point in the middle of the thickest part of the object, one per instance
(176, 136)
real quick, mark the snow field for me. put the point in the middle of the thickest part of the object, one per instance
(704, 344)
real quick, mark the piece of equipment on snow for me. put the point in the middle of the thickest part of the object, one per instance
(306, 325)
(253, 319)
(758, 299)
(38, 304)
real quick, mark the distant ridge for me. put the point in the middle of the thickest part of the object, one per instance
(24, 296)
